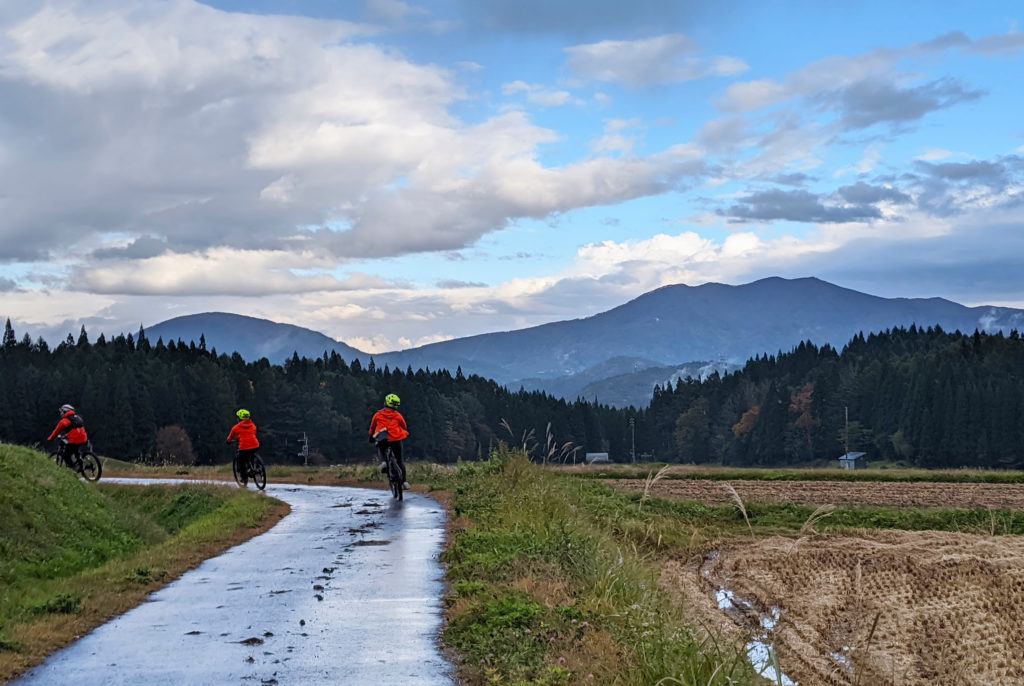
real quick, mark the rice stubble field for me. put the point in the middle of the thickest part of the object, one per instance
(864, 606)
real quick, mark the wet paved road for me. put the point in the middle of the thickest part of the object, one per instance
(345, 590)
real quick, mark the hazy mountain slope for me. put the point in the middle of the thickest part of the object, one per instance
(569, 386)
(621, 381)
(677, 324)
(617, 354)
(250, 337)
(636, 389)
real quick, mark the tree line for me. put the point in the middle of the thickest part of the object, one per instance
(922, 397)
(176, 401)
(919, 396)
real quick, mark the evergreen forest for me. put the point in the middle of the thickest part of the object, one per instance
(916, 396)
(176, 402)
(921, 397)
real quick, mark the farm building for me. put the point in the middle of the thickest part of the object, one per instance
(597, 458)
(853, 461)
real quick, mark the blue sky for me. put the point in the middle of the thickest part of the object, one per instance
(394, 173)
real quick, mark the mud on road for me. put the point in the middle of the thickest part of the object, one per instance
(888, 607)
(840, 493)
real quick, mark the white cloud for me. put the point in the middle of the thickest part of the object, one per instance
(205, 129)
(649, 61)
(178, 46)
(922, 248)
(615, 138)
(540, 95)
(872, 156)
(216, 271)
(867, 89)
(935, 154)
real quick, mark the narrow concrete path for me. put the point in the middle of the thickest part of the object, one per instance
(345, 590)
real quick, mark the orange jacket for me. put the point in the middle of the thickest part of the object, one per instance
(76, 435)
(245, 432)
(392, 420)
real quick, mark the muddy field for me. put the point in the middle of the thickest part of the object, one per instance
(889, 494)
(888, 607)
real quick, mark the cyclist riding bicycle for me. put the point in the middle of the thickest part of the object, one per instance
(387, 429)
(245, 433)
(71, 429)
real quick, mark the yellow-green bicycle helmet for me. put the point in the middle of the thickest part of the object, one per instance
(242, 414)
(392, 400)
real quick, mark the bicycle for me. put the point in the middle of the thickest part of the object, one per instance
(254, 470)
(391, 466)
(85, 463)
(394, 472)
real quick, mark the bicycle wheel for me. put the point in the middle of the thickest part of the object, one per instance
(56, 457)
(259, 472)
(394, 477)
(238, 472)
(90, 467)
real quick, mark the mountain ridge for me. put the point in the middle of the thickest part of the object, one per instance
(668, 328)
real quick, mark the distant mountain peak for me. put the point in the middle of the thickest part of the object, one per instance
(251, 337)
(668, 328)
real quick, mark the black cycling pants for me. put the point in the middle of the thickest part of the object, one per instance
(73, 451)
(244, 458)
(396, 448)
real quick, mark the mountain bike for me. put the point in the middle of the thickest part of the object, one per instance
(394, 474)
(85, 463)
(253, 469)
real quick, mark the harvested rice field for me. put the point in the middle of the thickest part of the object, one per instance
(839, 493)
(883, 607)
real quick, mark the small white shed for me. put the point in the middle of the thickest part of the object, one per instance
(853, 461)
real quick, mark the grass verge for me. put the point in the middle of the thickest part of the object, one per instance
(73, 555)
(544, 591)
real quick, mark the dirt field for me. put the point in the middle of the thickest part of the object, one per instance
(887, 607)
(890, 494)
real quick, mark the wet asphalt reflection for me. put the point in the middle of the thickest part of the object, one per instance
(345, 590)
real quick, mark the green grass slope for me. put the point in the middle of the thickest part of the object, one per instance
(54, 525)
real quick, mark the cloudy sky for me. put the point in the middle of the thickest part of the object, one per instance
(395, 173)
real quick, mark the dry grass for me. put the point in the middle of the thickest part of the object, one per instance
(840, 493)
(908, 608)
(816, 516)
(649, 482)
(738, 501)
(548, 590)
(596, 658)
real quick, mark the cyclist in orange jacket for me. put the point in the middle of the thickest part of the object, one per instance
(245, 433)
(387, 429)
(71, 430)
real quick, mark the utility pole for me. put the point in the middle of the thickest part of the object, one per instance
(304, 453)
(632, 439)
(846, 433)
